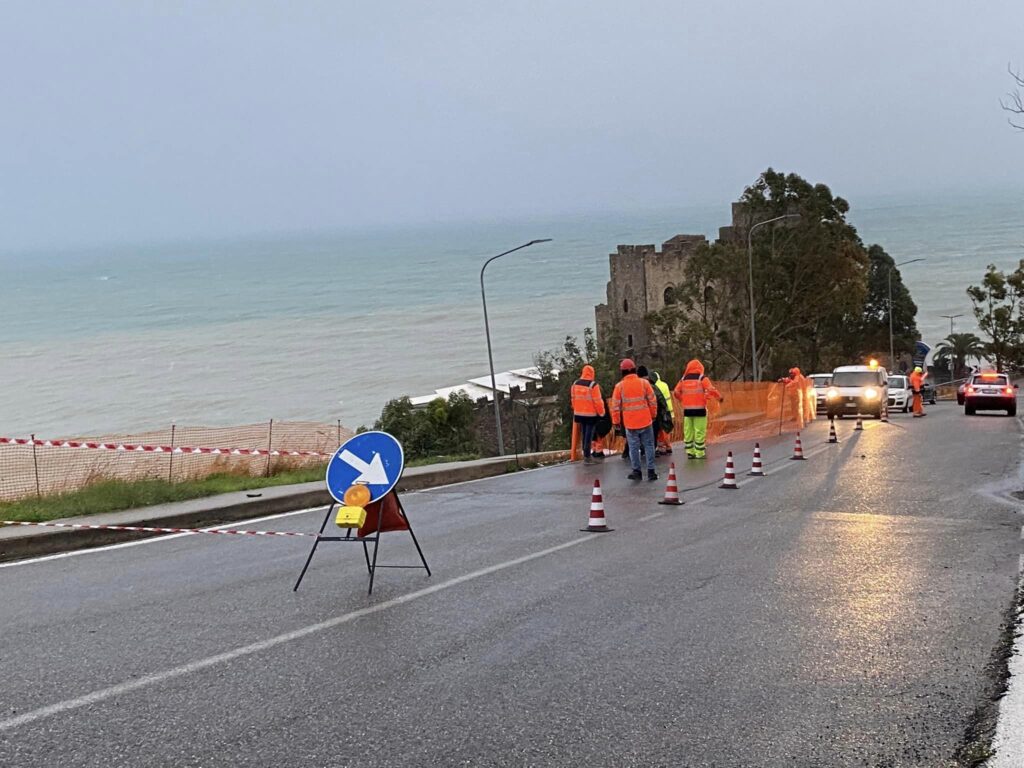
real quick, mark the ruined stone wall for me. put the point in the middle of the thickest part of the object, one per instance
(621, 321)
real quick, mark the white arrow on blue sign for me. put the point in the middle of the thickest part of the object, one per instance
(374, 458)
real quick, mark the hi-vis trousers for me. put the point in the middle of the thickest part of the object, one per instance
(695, 435)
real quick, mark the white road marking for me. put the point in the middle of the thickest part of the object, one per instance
(651, 516)
(155, 539)
(701, 500)
(248, 650)
(1022, 534)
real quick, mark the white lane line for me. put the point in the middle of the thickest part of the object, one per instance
(155, 539)
(248, 650)
(701, 500)
(651, 516)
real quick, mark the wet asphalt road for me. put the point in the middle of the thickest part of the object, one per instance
(840, 612)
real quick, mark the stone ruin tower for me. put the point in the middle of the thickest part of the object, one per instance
(643, 280)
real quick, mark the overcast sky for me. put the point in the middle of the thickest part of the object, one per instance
(145, 120)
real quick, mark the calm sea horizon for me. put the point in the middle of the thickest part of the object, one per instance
(330, 326)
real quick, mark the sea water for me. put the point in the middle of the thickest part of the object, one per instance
(331, 326)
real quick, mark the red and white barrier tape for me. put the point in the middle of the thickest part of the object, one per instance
(157, 448)
(154, 530)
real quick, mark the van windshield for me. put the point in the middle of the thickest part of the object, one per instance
(855, 379)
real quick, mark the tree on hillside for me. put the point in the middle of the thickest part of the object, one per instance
(810, 275)
(1014, 103)
(874, 328)
(956, 350)
(997, 303)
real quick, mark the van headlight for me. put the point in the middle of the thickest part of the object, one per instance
(870, 393)
(832, 393)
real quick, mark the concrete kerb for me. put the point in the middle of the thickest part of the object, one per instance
(17, 543)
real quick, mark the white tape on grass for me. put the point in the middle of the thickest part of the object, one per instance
(248, 650)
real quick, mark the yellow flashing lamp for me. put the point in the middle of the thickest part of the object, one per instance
(353, 513)
(872, 363)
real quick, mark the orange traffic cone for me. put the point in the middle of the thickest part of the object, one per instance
(860, 425)
(597, 523)
(798, 450)
(671, 489)
(729, 481)
(832, 436)
(756, 469)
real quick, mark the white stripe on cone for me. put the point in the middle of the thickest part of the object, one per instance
(729, 481)
(756, 468)
(596, 522)
(671, 489)
(832, 436)
(798, 449)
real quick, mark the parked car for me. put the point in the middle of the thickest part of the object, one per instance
(857, 389)
(821, 382)
(900, 396)
(928, 392)
(990, 391)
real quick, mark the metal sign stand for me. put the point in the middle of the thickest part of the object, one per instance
(371, 562)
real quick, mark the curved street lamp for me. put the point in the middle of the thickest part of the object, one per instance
(750, 283)
(892, 353)
(487, 330)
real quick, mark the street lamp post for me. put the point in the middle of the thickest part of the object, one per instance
(951, 318)
(750, 284)
(487, 331)
(892, 353)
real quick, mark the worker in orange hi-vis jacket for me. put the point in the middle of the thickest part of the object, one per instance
(917, 385)
(587, 408)
(693, 392)
(634, 408)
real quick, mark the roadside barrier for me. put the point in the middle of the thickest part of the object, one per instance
(729, 480)
(752, 410)
(798, 449)
(34, 466)
(596, 522)
(147, 529)
(671, 489)
(756, 468)
(832, 436)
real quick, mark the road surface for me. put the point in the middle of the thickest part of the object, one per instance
(842, 611)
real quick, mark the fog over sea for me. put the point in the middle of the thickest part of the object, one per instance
(330, 326)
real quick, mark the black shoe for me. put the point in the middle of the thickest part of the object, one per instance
(598, 456)
(652, 475)
(625, 457)
(635, 475)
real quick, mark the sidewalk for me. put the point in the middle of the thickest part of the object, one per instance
(18, 542)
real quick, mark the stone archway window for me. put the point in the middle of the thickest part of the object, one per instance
(629, 341)
(670, 295)
(625, 306)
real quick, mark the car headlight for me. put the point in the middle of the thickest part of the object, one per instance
(870, 393)
(832, 393)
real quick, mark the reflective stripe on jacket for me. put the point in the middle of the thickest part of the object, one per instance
(633, 403)
(693, 391)
(586, 398)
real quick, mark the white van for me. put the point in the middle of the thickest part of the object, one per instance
(857, 390)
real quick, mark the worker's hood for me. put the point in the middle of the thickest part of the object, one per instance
(694, 366)
(588, 373)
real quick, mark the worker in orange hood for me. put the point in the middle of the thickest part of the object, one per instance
(587, 408)
(693, 392)
(917, 378)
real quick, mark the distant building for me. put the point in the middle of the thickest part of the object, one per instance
(523, 379)
(645, 280)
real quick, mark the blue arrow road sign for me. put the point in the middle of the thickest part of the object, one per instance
(374, 458)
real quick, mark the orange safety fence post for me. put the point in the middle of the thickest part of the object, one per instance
(574, 445)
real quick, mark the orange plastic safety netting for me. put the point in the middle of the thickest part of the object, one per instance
(749, 411)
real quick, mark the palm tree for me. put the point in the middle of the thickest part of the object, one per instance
(956, 349)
